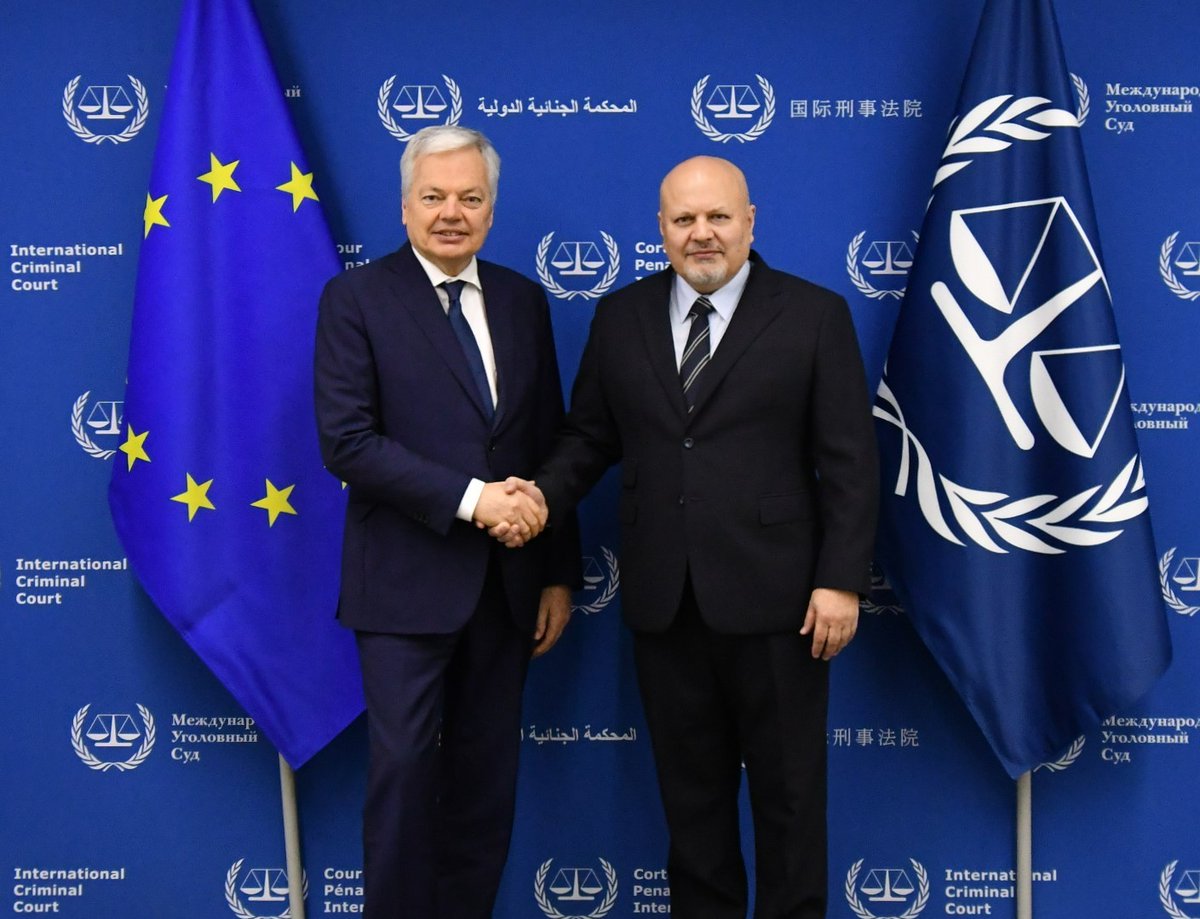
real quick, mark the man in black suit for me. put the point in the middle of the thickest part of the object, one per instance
(436, 374)
(735, 399)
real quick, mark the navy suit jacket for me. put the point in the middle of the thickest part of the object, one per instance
(767, 489)
(402, 423)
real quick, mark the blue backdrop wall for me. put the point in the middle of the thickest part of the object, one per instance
(133, 783)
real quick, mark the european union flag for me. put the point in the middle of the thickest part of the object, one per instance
(1015, 525)
(218, 494)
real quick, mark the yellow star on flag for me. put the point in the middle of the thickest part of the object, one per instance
(275, 502)
(220, 176)
(152, 216)
(135, 446)
(195, 497)
(299, 187)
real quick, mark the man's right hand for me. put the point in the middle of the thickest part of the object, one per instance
(513, 511)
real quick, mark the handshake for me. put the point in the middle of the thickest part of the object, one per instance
(513, 511)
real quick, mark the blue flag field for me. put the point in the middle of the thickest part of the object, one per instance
(1015, 523)
(218, 494)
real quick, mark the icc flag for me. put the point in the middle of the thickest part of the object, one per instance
(218, 494)
(1015, 525)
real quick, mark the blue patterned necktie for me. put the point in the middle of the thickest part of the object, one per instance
(696, 352)
(470, 347)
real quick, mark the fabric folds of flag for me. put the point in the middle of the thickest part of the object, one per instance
(218, 494)
(1015, 525)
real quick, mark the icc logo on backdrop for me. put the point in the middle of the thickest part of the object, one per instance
(600, 583)
(578, 267)
(412, 106)
(1186, 888)
(575, 892)
(265, 889)
(1187, 260)
(886, 262)
(739, 111)
(101, 113)
(112, 740)
(1180, 578)
(103, 419)
(889, 889)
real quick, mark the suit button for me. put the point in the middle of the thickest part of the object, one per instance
(688, 443)
(682, 499)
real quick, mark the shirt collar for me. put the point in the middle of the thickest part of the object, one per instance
(724, 299)
(470, 274)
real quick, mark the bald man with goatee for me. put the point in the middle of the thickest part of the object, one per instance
(734, 398)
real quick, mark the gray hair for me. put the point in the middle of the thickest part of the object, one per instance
(443, 139)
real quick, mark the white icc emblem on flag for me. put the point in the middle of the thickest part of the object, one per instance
(996, 251)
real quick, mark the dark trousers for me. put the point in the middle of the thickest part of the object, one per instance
(713, 702)
(443, 717)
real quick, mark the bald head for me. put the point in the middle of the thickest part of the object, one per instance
(706, 220)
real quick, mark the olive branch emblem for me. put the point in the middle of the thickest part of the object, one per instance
(93, 762)
(856, 278)
(81, 436)
(994, 124)
(612, 584)
(393, 127)
(551, 285)
(1168, 593)
(610, 893)
(1168, 276)
(997, 521)
(911, 913)
(1164, 893)
(81, 131)
(235, 903)
(1066, 759)
(713, 134)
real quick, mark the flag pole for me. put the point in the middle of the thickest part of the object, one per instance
(291, 837)
(1025, 846)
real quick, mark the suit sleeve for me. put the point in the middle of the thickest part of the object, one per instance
(588, 442)
(844, 453)
(563, 563)
(353, 446)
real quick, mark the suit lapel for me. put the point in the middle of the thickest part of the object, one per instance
(655, 319)
(413, 292)
(756, 310)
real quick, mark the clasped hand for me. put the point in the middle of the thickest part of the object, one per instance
(513, 511)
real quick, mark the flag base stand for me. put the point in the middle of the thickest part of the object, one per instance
(1025, 846)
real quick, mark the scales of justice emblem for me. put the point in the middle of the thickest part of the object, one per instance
(266, 888)
(1187, 889)
(112, 732)
(731, 103)
(885, 259)
(1188, 261)
(1185, 577)
(418, 104)
(575, 889)
(105, 103)
(982, 240)
(888, 888)
(105, 419)
(600, 585)
(577, 259)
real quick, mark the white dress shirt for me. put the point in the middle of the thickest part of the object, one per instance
(724, 301)
(475, 313)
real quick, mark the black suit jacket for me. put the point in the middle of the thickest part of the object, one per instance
(402, 422)
(765, 491)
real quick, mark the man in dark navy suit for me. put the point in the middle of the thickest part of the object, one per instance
(436, 379)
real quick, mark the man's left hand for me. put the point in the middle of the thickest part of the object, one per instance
(554, 612)
(832, 620)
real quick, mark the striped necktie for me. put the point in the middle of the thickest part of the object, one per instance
(696, 352)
